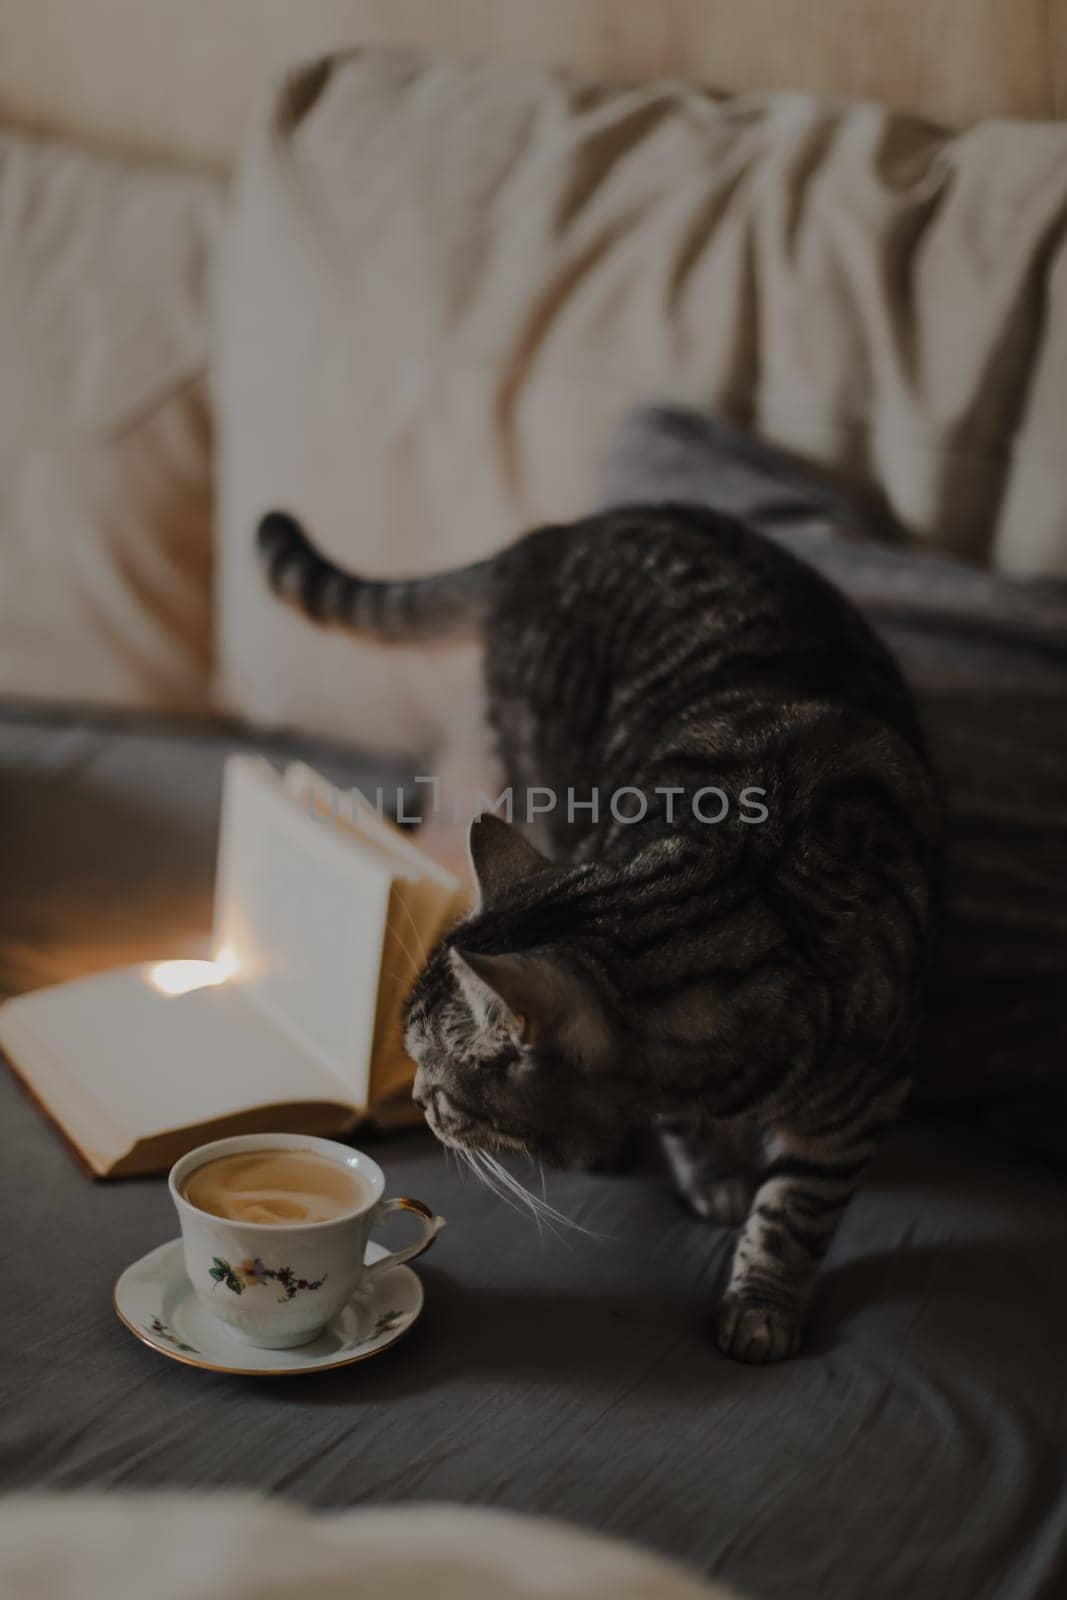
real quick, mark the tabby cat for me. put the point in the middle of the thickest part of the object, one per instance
(750, 985)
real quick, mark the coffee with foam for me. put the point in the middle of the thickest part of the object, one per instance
(285, 1188)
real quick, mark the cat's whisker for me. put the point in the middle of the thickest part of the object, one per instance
(540, 1166)
(394, 934)
(502, 1183)
(420, 935)
(488, 1178)
(477, 1161)
(452, 1160)
(509, 1186)
(540, 1208)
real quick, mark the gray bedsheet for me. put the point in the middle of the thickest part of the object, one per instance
(916, 1449)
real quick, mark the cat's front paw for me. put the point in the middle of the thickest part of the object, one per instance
(758, 1331)
(726, 1201)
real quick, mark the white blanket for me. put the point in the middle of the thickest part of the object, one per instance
(232, 1547)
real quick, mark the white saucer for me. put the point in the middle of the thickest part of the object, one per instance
(155, 1300)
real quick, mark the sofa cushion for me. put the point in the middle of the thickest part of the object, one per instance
(105, 439)
(447, 279)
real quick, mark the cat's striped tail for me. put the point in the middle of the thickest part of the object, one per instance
(447, 604)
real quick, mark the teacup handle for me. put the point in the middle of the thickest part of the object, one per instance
(431, 1227)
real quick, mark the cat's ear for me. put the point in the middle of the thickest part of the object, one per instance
(500, 856)
(544, 1003)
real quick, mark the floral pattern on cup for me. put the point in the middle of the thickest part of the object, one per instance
(254, 1273)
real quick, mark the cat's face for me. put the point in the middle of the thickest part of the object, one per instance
(513, 1046)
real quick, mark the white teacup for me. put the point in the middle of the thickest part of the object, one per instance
(277, 1286)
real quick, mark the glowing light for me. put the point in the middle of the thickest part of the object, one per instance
(226, 962)
(182, 977)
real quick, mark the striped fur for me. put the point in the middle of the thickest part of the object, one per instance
(752, 988)
(443, 606)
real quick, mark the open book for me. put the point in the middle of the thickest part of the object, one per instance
(324, 913)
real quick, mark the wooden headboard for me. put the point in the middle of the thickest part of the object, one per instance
(176, 77)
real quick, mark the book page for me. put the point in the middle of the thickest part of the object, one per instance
(116, 1060)
(301, 909)
(351, 809)
(420, 910)
(424, 900)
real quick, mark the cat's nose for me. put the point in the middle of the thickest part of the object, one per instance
(421, 1092)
